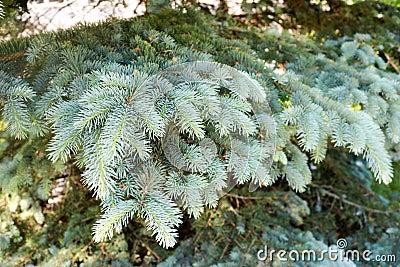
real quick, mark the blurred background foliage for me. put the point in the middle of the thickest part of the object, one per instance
(344, 201)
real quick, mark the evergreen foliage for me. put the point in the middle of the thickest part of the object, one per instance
(160, 121)
(1, 10)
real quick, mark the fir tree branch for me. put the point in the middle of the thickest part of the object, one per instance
(350, 203)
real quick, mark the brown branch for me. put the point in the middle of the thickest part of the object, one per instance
(247, 251)
(390, 61)
(244, 198)
(283, 88)
(202, 230)
(152, 252)
(224, 250)
(350, 203)
(104, 252)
